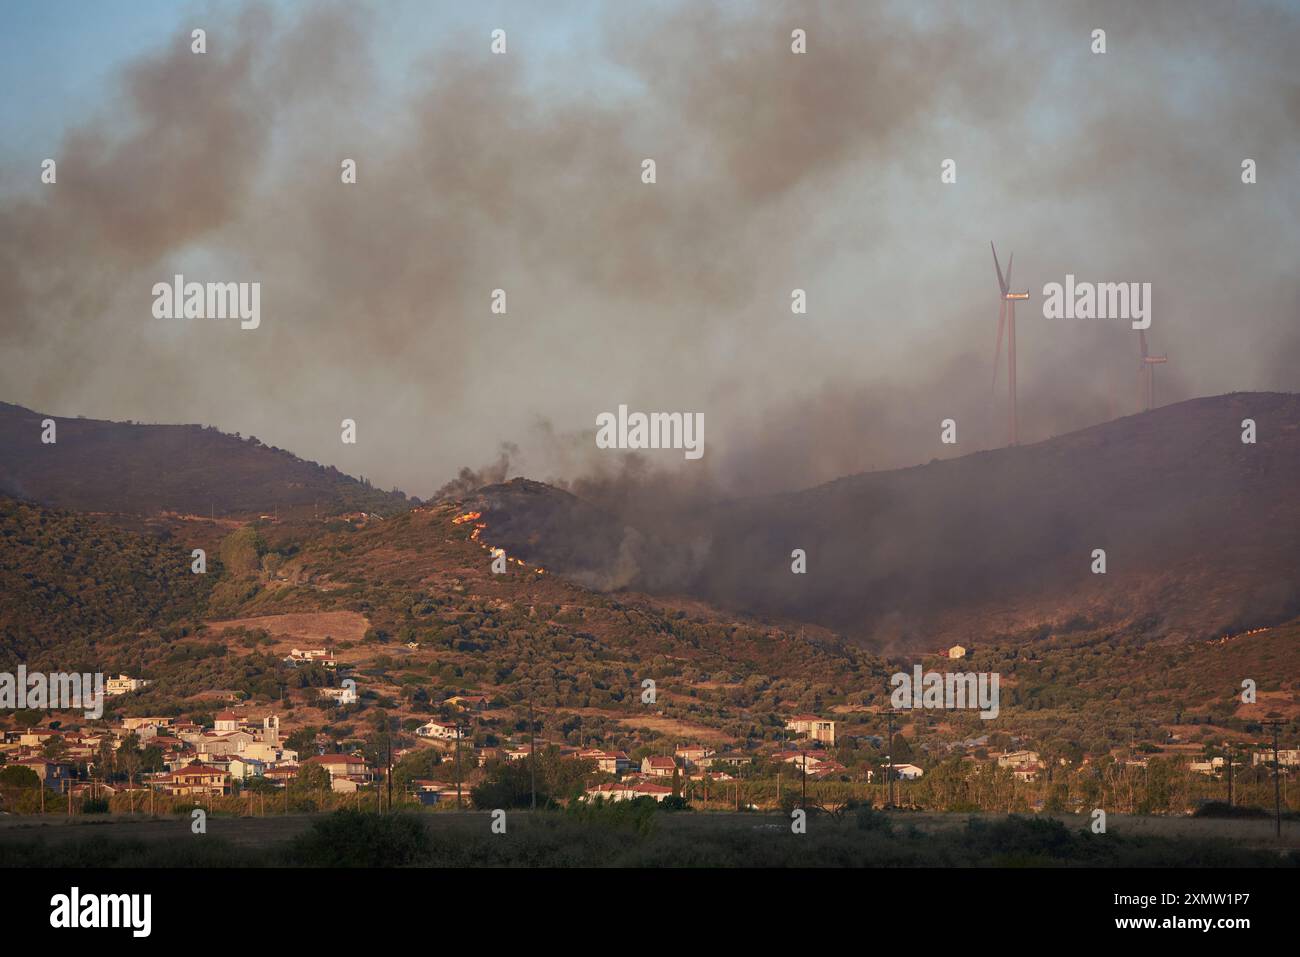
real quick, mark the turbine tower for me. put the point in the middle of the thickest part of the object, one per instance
(1007, 318)
(1146, 373)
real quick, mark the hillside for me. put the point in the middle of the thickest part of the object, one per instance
(67, 578)
(1201, 533)
(99, 466)
(410, 607)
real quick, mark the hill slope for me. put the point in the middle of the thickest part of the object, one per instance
(65, 576)
(1201, 534)
(102, 466)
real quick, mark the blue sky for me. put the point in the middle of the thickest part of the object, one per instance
(59, 58)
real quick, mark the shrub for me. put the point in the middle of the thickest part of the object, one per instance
(354, 839)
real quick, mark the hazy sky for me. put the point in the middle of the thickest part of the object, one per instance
(775, 171)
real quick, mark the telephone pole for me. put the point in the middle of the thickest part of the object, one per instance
(803, 801)
(889, 757)
(1276, 723)
(532, 754)
(388, 739)
(458, 804)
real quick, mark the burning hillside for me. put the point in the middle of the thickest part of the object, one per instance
(1201, 531)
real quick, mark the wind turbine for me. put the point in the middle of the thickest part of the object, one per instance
(1007, 318)
(1146, 373)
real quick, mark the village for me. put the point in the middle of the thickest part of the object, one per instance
(245, 751)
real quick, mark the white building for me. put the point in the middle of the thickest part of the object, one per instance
(242, 768)
(817, 729)
(1286, 758)
(438, 729)
(302, 656)
(344, 695)
(124, 684)
(1017, 759)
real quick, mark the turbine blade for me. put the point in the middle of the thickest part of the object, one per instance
(1011, 259)
(1002, 283)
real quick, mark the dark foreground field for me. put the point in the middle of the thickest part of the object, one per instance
(640, 837)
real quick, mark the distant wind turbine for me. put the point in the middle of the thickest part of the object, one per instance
(1146, 373)
(1007, 318)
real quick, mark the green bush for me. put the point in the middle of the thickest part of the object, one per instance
(355, 839)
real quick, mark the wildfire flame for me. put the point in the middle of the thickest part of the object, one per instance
(478, 530)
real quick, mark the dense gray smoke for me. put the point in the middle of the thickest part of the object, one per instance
(775, 171)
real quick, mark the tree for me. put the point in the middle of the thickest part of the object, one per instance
(312, 782)
(27, 718)
(417, 764)
(15, 775)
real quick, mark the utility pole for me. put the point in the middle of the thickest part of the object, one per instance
(458, 804)
(889, 757)
(532, 754)
(1277, 776)
(803, 800)
(388, 739)
(1229, 760)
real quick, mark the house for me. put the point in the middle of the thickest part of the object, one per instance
(346, 771)
(470, 702)
(658, 766)
(609, 762)
(624, 791)
(800, 759)
(1286, 758)
(733, 758)
(344, 695)
(445, 730)
(36, 737)
(306, 656)
(53, 775)
(131, 724)
(656, 791)
(1206, 767)
(694, 755)
(827, 769)
(818, 729)
(241, 768)
(611, 791)
(1013, 759)
(1025, 772)
(434, 792)
(281, 776)
(193, 780)
(123, 684)
(230, 742)
(955, 652)
(226, 721)
(907, 772)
